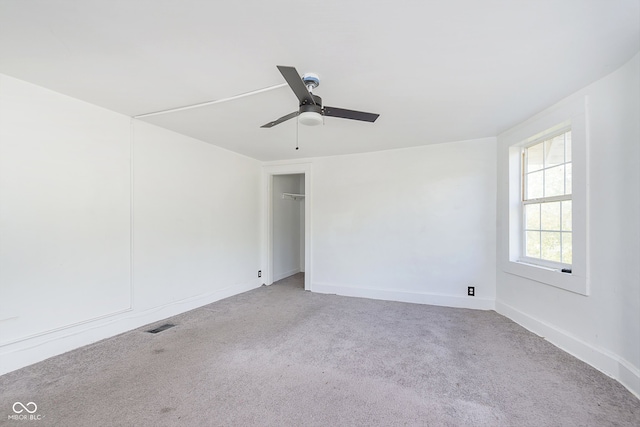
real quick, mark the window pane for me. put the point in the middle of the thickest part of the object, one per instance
(532, 219)
(566, 216)
(535, 158)
(554, 181)
(550, 215)
(554, 151)
(534, 185)
(550, 246)
(568, 184)
(533, 244)
(567, 248)
(567, 146)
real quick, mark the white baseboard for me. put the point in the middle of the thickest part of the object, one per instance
(405, 296)
(28, 351)
(281, 276)
(601, 359)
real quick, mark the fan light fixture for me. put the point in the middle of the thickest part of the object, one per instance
(310, 118)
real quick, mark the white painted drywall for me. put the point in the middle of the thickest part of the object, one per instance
(287, 226)
(196, 217)
(67, 206)
(64, 211)
(604, 327)
(414, 224)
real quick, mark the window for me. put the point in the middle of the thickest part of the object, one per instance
(542, 197)
(546, 202)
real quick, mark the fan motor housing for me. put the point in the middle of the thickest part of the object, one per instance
(316, 108)
(310, 109)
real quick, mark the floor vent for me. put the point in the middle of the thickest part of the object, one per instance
(161, 328)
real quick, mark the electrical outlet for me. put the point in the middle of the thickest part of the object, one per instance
(471, 291)
(259, 273)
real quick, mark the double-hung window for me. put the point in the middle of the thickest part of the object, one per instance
(542, 197)
(546, 202)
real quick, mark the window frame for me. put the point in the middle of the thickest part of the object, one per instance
(571, 113)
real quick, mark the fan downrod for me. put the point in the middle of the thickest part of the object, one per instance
(311, 81)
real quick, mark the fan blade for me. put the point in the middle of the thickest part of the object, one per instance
(296, 84)
(280, 120)
(350, 114)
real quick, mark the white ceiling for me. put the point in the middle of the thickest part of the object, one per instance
(436, 71)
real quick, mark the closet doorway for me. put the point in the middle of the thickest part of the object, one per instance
(286, 201)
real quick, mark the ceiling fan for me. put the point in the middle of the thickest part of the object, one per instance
(311, 110)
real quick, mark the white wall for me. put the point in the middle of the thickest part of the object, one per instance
(80, 186)
(415, 224)
(196, 218)
(288, 226)
(602, 328)
(64, 211)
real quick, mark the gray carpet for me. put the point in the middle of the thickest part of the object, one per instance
(280, 356)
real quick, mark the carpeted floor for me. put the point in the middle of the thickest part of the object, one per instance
(280, 356)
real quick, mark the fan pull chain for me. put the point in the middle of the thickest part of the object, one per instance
(297, 126)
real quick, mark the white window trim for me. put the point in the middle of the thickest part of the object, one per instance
(572, 114)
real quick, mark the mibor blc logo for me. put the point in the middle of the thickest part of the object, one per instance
(23, 412)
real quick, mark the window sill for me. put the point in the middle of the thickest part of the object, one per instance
(571, 282)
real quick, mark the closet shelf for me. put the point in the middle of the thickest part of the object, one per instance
(292, 196)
